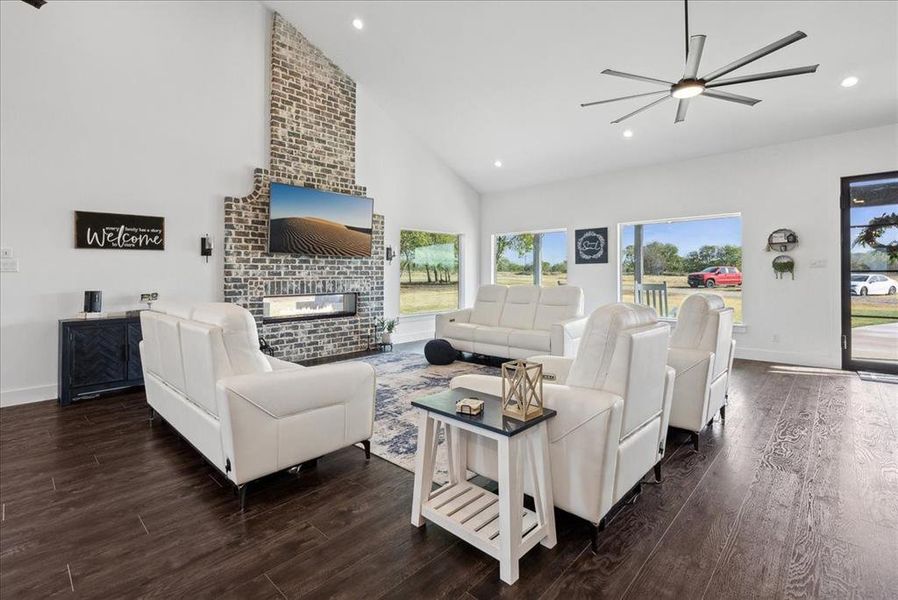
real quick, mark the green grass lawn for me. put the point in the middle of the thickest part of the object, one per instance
(870, 310)
(678, 289)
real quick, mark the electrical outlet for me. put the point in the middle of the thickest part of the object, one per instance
(9, 265)
(5, 252)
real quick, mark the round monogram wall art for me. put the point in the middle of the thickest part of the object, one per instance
(591, 245)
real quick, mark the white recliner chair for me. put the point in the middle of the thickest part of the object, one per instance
(613, 403)
(701, 352)
(248, 414)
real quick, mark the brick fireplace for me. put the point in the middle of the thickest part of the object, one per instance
(312, 126)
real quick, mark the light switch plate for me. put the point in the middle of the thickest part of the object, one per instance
(9, 265)
(819, 263)
(5, 252)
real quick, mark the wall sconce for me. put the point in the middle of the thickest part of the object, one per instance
(206, 246)
(390, 254)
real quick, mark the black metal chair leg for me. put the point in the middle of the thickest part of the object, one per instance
(152, 414)
(723, 412)
(694, 437)
(595, 530)
(367, 446)
(658, 472)
(241, 490)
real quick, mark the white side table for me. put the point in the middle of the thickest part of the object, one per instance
(496, 524)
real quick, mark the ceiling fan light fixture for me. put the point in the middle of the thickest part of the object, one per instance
(687, 88)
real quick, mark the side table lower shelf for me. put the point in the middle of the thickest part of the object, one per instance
(472, 513)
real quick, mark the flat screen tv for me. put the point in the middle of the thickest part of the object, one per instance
(309, 221)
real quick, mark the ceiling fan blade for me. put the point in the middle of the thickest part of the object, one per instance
(789, 39)
(696, 44)
(585, 104)
(637, 77)
(763, 76)
(720, 95)
(682, 107)
(639, 110)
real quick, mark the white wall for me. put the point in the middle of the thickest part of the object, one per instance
(413, 189)
(792, 185)
(157, 108)
(160, 109)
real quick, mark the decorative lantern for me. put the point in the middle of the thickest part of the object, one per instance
(522, 389)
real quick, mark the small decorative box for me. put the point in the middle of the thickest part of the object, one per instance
(469, 406)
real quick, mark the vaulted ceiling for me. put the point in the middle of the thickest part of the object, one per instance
(484, 81)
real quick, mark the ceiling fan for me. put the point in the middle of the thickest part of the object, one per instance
(691, 85)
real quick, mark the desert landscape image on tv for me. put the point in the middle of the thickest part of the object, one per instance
(310, 221)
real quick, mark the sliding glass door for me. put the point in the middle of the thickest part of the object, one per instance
(870, 272)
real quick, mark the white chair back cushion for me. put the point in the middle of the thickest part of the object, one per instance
(520, 307)
(705, 323)
(191, 346)
(592, 366)
(238, 332)
(557, 304)
(488, 306)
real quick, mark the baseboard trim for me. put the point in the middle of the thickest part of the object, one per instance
(789, 358)
(30, 395)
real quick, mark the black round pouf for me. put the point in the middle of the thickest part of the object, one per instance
(440, 352)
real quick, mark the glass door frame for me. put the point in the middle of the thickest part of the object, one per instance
(848, 363)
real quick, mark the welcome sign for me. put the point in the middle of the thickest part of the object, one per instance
(119, 232)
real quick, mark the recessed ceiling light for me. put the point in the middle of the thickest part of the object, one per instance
(497, 163)
(358, 24)
(849, 81)
(628, 133)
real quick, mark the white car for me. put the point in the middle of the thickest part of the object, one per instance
(873, 285)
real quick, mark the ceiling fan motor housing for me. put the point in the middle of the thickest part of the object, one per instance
(687, 88)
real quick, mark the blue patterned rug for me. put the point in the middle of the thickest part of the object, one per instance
(401, 378)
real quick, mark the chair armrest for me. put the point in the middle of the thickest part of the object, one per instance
(456, 316)
(565, 336)
(669, 378)
(279, 365)
(555, 368)
(287, 392)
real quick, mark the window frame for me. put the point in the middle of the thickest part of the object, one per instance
(493, 236)
(737, 326)
(460, 281)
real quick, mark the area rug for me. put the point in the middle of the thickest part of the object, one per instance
(401, 378)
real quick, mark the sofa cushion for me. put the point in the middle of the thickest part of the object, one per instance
(529, 338)
(520, 307)
(557, 304)
(238, 330)
(460, 331)
(497, 336)
(488, 306)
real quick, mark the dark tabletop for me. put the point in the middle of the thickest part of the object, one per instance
(491, 418)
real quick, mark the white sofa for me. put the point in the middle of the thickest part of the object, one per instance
(613, 403)
(248, 414)
(701, 351)
(517, 322)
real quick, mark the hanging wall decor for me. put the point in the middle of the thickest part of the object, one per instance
(591, 246)
(783, 264)
(782, 240)
(112, 231)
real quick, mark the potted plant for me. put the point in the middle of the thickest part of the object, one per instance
(386, 327)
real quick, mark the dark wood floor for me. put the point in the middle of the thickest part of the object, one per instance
(796, 496)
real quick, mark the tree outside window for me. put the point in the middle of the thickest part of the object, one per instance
(538, 258)
(429, 271)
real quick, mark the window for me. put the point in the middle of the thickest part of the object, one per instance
(428, 278)
(517, 253)
(664, 262)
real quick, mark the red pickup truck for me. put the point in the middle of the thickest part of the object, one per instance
(714, 276)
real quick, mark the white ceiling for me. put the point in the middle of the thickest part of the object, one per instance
(480, 81)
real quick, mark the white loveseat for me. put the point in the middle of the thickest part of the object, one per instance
(701, 351)
(517, 322)
(249, 414)
(613, 402)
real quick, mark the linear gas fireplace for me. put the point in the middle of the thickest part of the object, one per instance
(308, 306)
